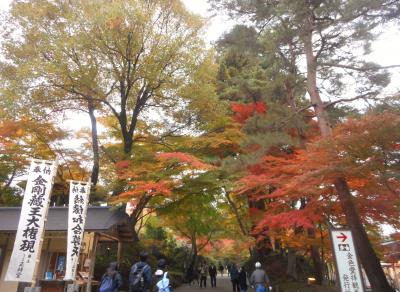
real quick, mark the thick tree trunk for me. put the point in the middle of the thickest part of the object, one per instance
(135, 235)
(318, 266)
(369, 260)
(193, 261)
(95, 144)
(367, 255)
(128, 142)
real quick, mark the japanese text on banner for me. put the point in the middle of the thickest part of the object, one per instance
(31, 222)
(78, 201)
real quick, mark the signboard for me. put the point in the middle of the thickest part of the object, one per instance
(78, 201)
(34, 209)
(347, 265)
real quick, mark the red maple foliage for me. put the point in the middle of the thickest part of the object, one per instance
(183, 158)
(150, 188)
(243, 111)
(298, 187)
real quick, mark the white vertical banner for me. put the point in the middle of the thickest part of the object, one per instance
(347, 265)
(78, 202)
(34, 210)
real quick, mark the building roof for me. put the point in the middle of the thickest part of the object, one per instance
(97, 219)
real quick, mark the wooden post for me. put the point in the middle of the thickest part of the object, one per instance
(35, 270)
(119, 252)
(92, 258)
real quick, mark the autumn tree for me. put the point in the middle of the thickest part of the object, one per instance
(364, 153)
(332, 36)
(122, 58)
(194, 219)
(22, 138)
(267, 94)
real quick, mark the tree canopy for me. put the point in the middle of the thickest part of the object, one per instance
(262, 143)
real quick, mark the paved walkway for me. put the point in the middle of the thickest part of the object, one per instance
(223, 285)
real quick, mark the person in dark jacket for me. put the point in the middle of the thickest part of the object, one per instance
(212, 271)
(221, 269)
(141, 265)
(243, 280)
(234, 273)
(113, 274)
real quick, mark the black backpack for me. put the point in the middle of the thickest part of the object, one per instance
(136, 279)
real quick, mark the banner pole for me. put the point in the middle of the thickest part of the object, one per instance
(37, 261)
(79, 192)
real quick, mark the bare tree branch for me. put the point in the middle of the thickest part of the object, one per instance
(360, 69)
(362, 96)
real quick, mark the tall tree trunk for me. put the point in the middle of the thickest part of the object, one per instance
(369, 260)
(318, 266)
(128, 142)
(95, 144)
(235, 210)
(367, 255)
(135, 236)
(194, 251)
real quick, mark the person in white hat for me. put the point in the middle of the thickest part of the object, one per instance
(162, 281)
(259, 279)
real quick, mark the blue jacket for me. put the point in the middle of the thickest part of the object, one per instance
(234, 273)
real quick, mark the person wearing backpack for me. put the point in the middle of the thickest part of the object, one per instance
(203, 276)
(111, 280)
(259, 279)
(140, 275)
(221, 269)
(234, 273)
(162, 281)
(243, 279)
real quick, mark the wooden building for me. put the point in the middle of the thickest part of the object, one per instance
(102, 225)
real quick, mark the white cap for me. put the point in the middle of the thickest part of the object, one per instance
(258, 265)
(159, 273)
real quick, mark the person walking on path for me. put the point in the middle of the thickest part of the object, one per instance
(221, 269)
(162, 281)
(234, 278)
(212, 271)
(243, 280)
(203, 276)
(190, 275)
(111, 280)
(140, 275)
(259, 279)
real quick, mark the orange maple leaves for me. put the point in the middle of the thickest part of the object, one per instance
(184, 158)
(298, 186)
(151, 178)
(244, 111)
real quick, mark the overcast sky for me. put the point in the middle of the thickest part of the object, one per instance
(386, 49)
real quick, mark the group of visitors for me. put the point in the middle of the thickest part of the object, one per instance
(239, 278)
(142, 280)
(200, 275)
(212, 271)
(140, 277)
